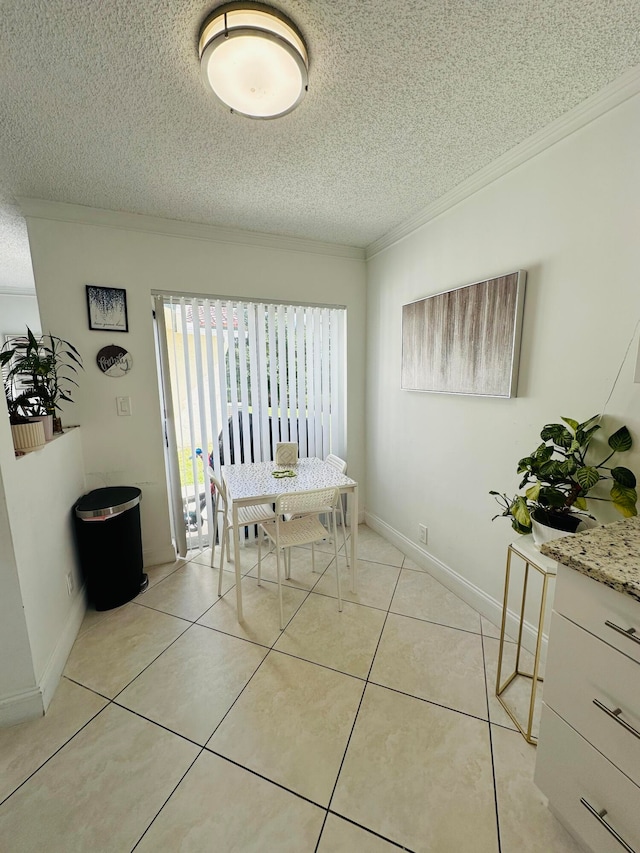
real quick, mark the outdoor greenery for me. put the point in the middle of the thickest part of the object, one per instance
(185, 464)
(558, 478)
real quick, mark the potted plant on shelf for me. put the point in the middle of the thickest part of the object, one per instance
(26, 434)
(558, 479)
(40, 375)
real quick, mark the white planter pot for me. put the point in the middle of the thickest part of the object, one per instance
(27, 437)
(47, 423)
(543, 533)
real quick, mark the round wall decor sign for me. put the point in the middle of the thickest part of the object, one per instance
(114, 360)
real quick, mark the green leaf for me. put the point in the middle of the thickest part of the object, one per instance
(585, 424)
(580, 503)
(550, 469)
(543, 453)
(624, 477)
(524, 464)
(520, 528)
(621, 440)
(567, 467)
(573, 424)
(533, 492)
(520, 512)
(552, 497)
(587, 477)
(624, 500)
(557, 433)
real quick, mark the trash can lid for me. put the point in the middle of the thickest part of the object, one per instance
(109, 501)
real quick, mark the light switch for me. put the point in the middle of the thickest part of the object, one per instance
(123, 405)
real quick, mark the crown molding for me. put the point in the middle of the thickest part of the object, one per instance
(606, 99)
(62, 212)
(17, 291)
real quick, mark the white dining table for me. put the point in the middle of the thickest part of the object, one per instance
(251, 483)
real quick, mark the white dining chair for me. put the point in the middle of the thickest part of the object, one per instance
(286, 453)
(247, 515)
(341, 466)
(297, 522)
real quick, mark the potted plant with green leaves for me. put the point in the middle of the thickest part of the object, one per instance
(40, 375)
(559, 476)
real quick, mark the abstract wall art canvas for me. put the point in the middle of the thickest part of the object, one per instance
(466, 340)
(107, 308)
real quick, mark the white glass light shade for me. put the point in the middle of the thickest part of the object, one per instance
(253, 61)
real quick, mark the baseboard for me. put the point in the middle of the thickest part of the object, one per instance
(33, 703)
(20, 707)
(57, 662)
(475, 597)
(159, 556)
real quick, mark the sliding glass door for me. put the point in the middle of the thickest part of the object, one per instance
(238, 377)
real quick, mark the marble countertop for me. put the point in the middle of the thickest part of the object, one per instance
(609, 554)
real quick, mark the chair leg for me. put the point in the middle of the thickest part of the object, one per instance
(259, 560)
(313, 557)
(222, 538)
(287, 563)
(226, 533)
(344, 534)
(280, 589)
(214, 536)
(335, 548)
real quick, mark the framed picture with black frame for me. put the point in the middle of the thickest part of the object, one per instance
(107, 308)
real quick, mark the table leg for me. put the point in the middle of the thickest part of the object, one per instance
(354, 540)
(236, 560)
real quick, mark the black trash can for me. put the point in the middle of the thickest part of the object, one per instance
(109, 540)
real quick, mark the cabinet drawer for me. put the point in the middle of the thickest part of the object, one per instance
(581, 668)
(592, 605)
(569, 769)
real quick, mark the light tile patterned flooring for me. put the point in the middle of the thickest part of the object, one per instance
(175, 728)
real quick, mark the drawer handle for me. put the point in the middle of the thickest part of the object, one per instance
(628, 632)
(615, 715)
(600, 817)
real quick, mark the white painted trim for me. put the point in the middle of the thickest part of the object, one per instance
(620, 90)
(58, 660)
(61, 212)
(33, 703)
(20, 707)
(475, 597)
(18, 291)
(159, 556)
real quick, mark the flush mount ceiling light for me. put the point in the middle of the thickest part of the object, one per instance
(254, 60)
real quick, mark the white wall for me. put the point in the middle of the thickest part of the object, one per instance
(17, 677)
(39, 620)
(570, 218)
(17, 312)
(67, 255)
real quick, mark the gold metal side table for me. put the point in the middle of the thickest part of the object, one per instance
(533, 559)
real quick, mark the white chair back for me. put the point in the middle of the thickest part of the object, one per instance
(337, 463)
(305, 503)
(219, 487)
(286, 453)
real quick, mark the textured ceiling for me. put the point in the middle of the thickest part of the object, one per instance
(102, 105)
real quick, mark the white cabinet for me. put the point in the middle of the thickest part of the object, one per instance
(588, 762)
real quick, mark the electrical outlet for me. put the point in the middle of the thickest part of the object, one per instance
(70, 583)
(423, 533)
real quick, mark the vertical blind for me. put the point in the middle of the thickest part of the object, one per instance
(239, 377)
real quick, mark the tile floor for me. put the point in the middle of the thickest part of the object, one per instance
(175, 728)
